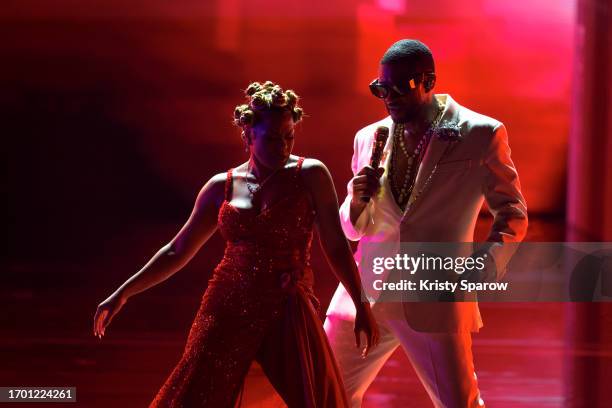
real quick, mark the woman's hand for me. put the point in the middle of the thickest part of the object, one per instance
(364, 321)
(106, 311)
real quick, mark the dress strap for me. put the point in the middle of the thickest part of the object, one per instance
(299, 164)
(228, 185)
(298, 167)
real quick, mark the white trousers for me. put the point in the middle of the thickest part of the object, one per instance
(442, 361)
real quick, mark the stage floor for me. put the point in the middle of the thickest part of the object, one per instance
(46, 340)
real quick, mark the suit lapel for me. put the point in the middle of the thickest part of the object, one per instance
(433, 155)
(384, 162)
(435, 151)
(386, 196)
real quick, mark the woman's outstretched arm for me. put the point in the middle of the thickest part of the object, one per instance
(336, 247)
(170, 258)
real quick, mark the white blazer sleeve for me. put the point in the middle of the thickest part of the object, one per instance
(502, 191)
(356, 231)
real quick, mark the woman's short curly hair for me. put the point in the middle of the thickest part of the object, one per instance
(266, 97)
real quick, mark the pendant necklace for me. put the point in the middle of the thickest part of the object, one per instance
(254, 189)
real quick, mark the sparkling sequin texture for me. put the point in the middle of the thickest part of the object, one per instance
(259, 305)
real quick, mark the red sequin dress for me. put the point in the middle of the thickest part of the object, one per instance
(259, 305)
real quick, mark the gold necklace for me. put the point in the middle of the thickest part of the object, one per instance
(403, 192)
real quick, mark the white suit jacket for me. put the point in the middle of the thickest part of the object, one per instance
(453, 180)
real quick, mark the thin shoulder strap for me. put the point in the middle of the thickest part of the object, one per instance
(299, 164)
(296, 175)
(228, 185)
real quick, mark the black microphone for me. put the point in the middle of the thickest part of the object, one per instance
(380, 140)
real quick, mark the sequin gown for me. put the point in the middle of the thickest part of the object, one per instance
(259, 305)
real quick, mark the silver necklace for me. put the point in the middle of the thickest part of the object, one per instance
(254, 189)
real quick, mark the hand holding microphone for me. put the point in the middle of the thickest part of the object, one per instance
(366, 182)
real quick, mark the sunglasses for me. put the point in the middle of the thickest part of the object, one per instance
(382, 90)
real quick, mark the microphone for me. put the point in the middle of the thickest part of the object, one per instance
(380, 139)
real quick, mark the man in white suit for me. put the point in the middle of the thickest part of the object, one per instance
(440, 162)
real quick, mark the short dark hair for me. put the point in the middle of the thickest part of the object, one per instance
(412, 52)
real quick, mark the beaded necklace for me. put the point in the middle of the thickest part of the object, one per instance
(402, 192)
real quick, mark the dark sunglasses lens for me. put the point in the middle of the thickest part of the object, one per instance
(378, 91)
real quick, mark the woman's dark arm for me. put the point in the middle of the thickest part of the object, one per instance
(335, 245)
(170, 258)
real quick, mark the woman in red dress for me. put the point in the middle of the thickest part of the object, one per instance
(259, 303)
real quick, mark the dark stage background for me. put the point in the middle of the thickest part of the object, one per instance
(114, 114)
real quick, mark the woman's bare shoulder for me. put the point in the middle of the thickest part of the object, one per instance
(217, 181)
(213, 190)
(314, 168)
(316, 176)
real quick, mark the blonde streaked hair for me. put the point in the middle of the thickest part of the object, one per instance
(263, 98)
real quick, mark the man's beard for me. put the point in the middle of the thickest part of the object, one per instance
(409, 115)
